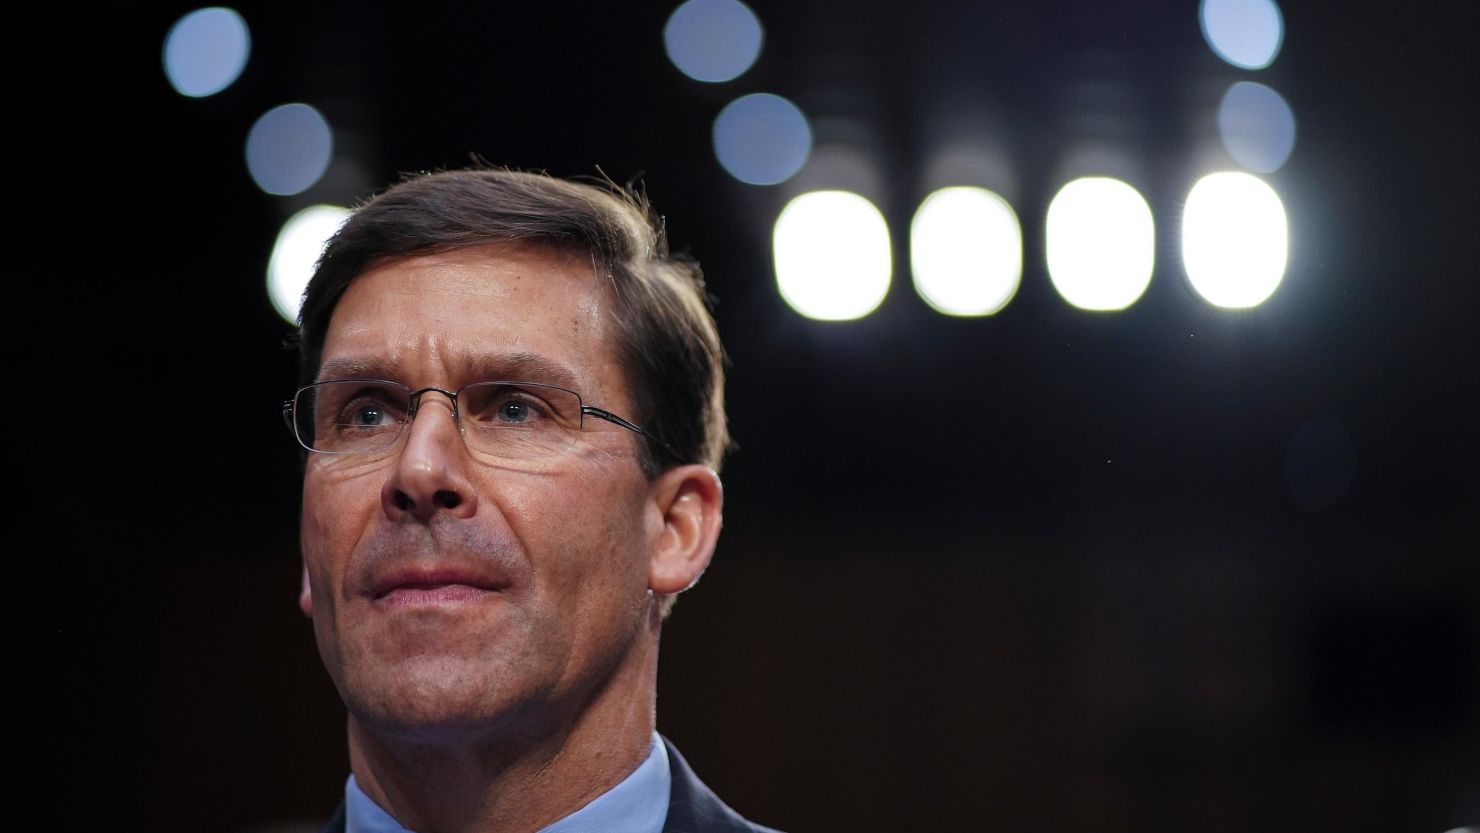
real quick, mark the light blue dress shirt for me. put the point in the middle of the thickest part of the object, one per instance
(639, 804)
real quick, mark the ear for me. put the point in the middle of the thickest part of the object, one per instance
(690, 501)
(305, 595)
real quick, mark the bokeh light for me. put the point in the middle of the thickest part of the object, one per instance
(966, 251)
(299, 244)
(206, 51)
(1101, 243)
(762, 139)
(1257, 126)
(713, 40)
(1235, 240)
(1245, 33)
(288, 149)
(833, 258)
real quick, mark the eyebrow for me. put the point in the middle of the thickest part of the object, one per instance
(507, 367)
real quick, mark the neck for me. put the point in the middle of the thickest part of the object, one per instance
(516, 778)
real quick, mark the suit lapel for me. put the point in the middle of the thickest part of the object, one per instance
(694, 808)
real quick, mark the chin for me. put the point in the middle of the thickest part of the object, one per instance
(439, 699)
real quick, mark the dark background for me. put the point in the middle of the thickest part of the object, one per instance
(1169, 569)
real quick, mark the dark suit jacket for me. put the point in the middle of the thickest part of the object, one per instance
(692, 807)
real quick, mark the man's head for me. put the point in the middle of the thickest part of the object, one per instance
(665, 338)
(457, 589)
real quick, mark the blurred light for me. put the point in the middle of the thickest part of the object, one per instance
(1234, 239)
(1245, 33)
(1101, 243)
(833, 259)
(762, 139)
(288, 149)
(297, 250)
(713, 40)
(205, 51)
(1257, 126)
(966, 251)
(1320, 463)
(840, 166)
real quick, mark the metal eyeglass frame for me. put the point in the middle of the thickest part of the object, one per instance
(414, 397)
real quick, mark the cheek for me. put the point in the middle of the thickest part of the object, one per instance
(586, 536)
(337, 505)
(334, 516)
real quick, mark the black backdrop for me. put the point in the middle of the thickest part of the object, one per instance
(1048, 569)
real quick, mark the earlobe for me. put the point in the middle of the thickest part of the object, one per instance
(691, 502)
(305, 595)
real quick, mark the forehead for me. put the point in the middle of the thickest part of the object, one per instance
(453, 317)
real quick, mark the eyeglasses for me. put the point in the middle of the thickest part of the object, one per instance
(503, 420)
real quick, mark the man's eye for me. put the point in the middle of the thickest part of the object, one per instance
(368, 416)
(515, 411)
(502, 405)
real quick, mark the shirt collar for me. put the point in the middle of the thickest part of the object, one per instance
(639, 804)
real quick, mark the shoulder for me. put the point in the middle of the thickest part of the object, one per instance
(694, 808)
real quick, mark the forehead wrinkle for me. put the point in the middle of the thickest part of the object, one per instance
(467, 367)
(364, 357)
(355, 367)
(394, 336)
(514, 367)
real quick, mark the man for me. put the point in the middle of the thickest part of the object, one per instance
(513, 408)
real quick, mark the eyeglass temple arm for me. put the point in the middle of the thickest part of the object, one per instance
(288, 414)
(602, 413)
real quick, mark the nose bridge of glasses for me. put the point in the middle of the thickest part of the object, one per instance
(416, 397)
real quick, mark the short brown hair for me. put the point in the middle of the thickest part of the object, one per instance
(667, 342)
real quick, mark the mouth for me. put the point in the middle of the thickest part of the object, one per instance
(413, 595)
(408, 588)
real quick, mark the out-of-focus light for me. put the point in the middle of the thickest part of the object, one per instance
(1257, 126)
(298, 247)
(1245, 33)
(1234, 239)
(966, 251)
(205, 51)
(833, 259)
(762, 139)
(288, 149)
(713, 40)
(1101, 243)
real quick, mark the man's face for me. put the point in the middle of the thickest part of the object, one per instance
(450, 593)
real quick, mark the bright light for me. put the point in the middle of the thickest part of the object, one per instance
(205, 51)
(833, 259)
(966, 251)
(762, 139)
(288, 149)
(296, 252)
(713, 40)
(1101, 243)
(1234, 239)
(1257, 126)
(1245, 33)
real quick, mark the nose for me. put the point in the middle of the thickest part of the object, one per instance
(430, 475)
